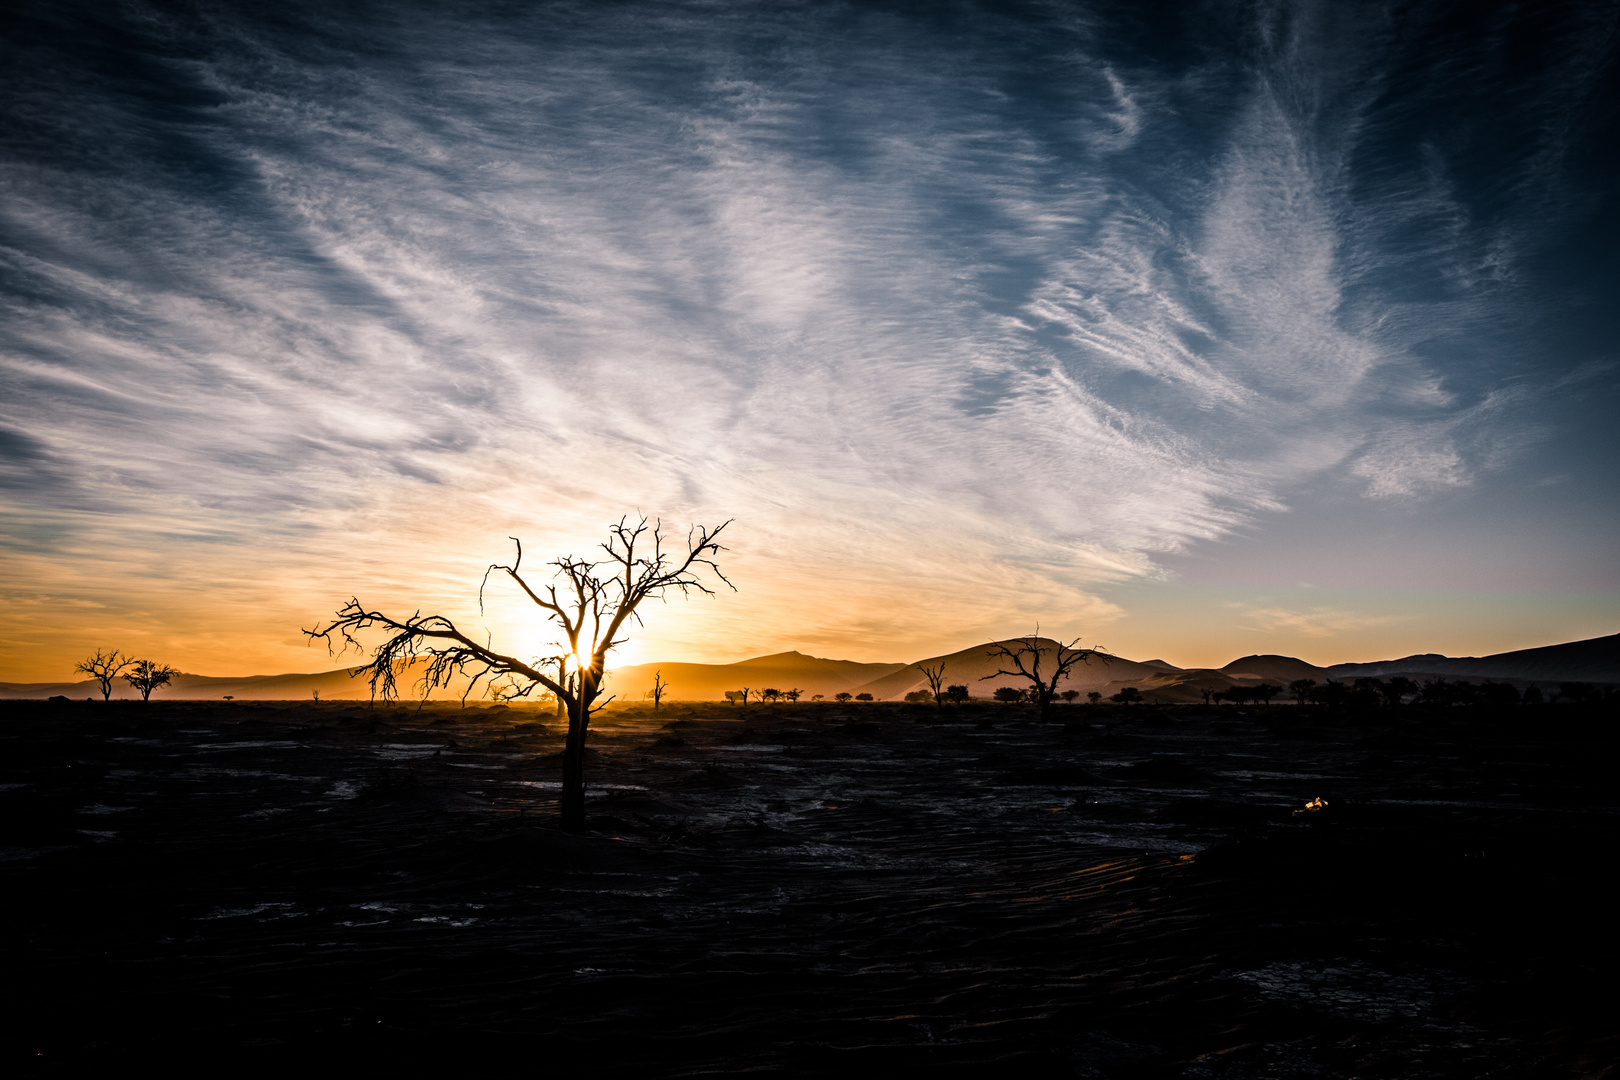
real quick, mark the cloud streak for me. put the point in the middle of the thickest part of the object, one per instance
(953, 343)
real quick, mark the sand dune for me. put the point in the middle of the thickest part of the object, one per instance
(1593, 660)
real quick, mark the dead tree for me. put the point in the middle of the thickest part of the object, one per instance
(146, 677)
(591, 604)
(658, 688)
(104, 667)
(935, 676)
(1024, 657)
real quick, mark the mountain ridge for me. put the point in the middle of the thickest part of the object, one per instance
(1589, 660)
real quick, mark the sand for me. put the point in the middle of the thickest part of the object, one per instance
(810, 889)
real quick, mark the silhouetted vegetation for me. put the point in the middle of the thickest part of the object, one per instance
(105, 666)
(146, 677)
(598, 600)
(1023, 659)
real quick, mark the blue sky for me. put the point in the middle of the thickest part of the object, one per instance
(1193, 329)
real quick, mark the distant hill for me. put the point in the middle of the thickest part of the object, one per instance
(1276, 669)
(782, 671)
(1592, 660)
(976, 667)
(332, 686)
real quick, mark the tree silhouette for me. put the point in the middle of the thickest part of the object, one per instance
(792, 695)
(104, 667)
(935, 676)
(1301, 689)
(659, 688)
(1264, 692)
(1008, 695)
(1128, 696)
(1023, 656)
(590, 604)
(842, 697)
(863, 697)
(770, 693)
(957, 694)
(146, 677)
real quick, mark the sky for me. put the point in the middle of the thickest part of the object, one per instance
(1190, 330)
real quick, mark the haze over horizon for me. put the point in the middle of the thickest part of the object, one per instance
(1242, 328)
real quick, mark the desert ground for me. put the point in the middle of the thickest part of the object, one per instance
(805, 889)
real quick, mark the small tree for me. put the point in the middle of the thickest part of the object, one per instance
(863, 697)
(1094, 697)
(1068, 696)
(1023, 657)
(596, 602)
(659, 688)
(1396, 689)
(1128, 696)
(919, 697)
(935, 676)
(1264, 692)
(793, 695)
(816, 697)
(1007, 695)
(770, 693)
(957, 694)
(146, 677)
(843, 697)
(1301, 689)
(732, 696)
(104, 667)
(742, 695)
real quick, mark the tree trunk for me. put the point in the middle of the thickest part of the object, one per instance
(572, 805)
(573, 789)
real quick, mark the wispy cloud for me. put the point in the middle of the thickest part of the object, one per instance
(953, 350)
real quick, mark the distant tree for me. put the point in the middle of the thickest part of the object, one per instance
(744, 692)
(1532, 695)
(659, 688)
(1236, 694)
(230, 697)
(957, 694)
(863, 697)
(842, 697)
(792, 695)
(1022, 658)
(1301, 689)
(732, 696)
(1068, 696)
(1094, 697)
(1331, 693)
(1577, 692)
(816, 697)
(146, 677)
(1365, 693)
(1396, 689)
(919, 697)
(104, 667)
(1128, 696)
(1008, 695)
(1264, 692)
(591, 604)
(1208, 693)
(770, 693)
(935, 676)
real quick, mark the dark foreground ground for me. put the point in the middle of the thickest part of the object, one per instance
(811, 889)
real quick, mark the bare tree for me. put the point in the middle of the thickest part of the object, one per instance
(1024, 657)
(146, 677)
(590, 604)
(658, 688)
(793, 695)
(104, 667)
(935, 676)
